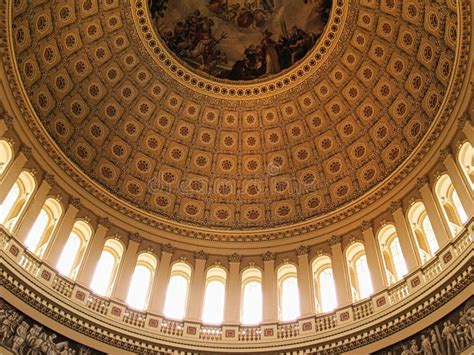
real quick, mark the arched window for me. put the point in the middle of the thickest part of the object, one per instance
(423, 231)
(16, 201)
(214, 298)
(177, 292)
(466, 161)
(323, 280)
(289, 299)
(5, 156)
(358, 271)
(450, 203)
(73, 252)
(42, 230)
(141, 284)
(251, 311)
(389, 243)
(107, 267)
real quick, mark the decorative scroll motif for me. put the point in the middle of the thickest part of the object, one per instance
(104, 221)
(422, 181)
(269, 256)
(451, 335)
(167, 248)
(395, 205)
(302, 250)
(235, 258)
(135, 237)
(76, 202)
(22, 335)
(366, 225)
(200, 255)
(334, 240)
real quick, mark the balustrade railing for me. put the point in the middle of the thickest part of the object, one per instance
(134, 318)
(250, 333)
(323, 322)
(29, 263)
(432, 269)
(363, 309)
(326, 322)
(288, 330)
(210, 333)
(98, 304)
(63, 286)
(172, 327)
(398, 292)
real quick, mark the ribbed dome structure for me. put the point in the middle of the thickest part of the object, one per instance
(220, 176)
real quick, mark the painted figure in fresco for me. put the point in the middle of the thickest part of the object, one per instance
(7, 328)
(406, 350)
(434, 343)
(448, 336)
(20, 337)
(426, 345)
(271, 55)
(194, 39)
(414, 347)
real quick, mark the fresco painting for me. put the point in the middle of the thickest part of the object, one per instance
(240, 39)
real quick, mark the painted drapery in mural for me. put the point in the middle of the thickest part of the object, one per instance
(240, 39)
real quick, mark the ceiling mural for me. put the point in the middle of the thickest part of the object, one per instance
(240, 39)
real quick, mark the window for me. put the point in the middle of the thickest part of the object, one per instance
(106, 269)
(422, 230)
(214, 298)
(289, 299)
(69, 254)
(142, 279)
(73, 251)
(177, 292)
(44, 226)
(251, 311)
(358, 271)
(394, 262)
(397, 258)
(323, 280)
(8, 203)
(5, 156)
(16, 201)
(466, 161)
(451, 205)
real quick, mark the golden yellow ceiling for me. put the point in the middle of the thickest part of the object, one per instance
(189, 147)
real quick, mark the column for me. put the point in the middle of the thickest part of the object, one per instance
(464, 124)
(340, 272)
(233, 292)
(56, 245)
(407, 244)
(160, 282)
(129, 261)
(197, 288)
(14, 170)
(461, 188)
(440, 227)
(34, 208)
(374, 257)
(93, 252)
(306, 291)
(269, 289)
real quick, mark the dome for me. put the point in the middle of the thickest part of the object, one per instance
(305, 146)
(308, 163)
